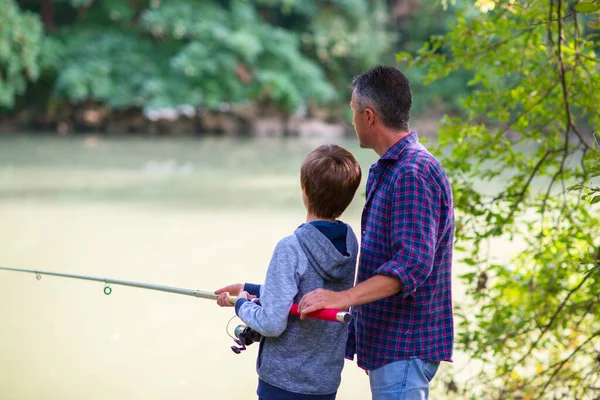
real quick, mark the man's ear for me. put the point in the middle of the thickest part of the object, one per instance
(370, 116)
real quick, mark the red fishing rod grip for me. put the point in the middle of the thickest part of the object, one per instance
(327, 314)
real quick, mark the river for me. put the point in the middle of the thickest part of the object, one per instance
(192, 213)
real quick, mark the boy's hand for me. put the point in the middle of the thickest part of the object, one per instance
(229, 290)
(233, 289)
(236, 289)
(223, 300)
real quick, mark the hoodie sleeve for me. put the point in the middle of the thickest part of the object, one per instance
(252, 289)
(277, 293)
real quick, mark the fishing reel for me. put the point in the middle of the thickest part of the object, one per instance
(245, 336)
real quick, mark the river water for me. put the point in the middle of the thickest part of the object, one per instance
(191, 213)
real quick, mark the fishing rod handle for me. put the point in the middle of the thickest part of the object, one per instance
(327, 314)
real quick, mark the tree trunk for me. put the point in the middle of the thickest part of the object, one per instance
(48, 15)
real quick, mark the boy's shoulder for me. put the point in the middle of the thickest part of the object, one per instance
(293, 242)
(288, 240)
(288, 243)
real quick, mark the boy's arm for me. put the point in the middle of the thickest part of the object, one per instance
(234, 290)
(277, 296)
(252, 289)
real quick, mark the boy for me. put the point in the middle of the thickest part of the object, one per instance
(303, 360)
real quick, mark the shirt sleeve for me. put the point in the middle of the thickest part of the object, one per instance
(277, 294)
(351, 339)
(414, 225)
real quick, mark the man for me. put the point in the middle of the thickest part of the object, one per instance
(402, 303)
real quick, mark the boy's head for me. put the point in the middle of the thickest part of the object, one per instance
(329, 177)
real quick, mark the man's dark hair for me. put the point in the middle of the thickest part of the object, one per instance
(386, 91)
(330, 176)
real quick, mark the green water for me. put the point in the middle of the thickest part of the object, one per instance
(191, 173)
(188, 213)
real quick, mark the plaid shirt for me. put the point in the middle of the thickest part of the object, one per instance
(407, 232)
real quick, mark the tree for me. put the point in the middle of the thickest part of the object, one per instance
(21, 38)
(529, 125)
(202, 53)
(444, 94)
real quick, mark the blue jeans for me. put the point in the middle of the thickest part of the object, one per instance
(403, 380)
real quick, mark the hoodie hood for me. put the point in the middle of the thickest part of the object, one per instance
(329, 263)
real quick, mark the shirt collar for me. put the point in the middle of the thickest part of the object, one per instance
(393, 153)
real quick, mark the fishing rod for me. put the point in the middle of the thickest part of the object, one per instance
(326, 314)
(244, 335)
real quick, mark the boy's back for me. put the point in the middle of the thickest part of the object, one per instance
(303, 359)
(308, 356)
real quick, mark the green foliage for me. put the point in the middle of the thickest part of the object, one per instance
(118, 70)
(203, 53)
(444, 94)
(21, 39)
(223, 41)
(533, 322)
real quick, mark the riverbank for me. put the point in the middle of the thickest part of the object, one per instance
(190, 122)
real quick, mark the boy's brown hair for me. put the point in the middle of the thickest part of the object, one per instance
(330, 176)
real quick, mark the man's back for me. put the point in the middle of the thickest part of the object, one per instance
(407, 233)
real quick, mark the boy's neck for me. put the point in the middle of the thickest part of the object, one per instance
(310, 217)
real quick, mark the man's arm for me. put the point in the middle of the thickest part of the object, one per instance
(375, 288)
(413, 225)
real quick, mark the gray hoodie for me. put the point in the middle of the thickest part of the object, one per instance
(301, 356)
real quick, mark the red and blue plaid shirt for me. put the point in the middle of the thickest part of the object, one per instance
(407, 232)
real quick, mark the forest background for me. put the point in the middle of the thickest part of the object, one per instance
(216, 67)
(512, 87)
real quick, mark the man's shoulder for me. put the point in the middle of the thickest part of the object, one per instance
(419, 161)
(417, 154)
(420, 166)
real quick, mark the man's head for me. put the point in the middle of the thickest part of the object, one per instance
(381, 100)
(329, 177)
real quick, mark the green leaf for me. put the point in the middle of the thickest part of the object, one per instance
(468, 276)
(587, 7)
(403, 56)
(595, 200)
(469, 261)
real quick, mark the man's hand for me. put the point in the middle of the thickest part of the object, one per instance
(322, 298)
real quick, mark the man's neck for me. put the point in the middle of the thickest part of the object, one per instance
(387, 140)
